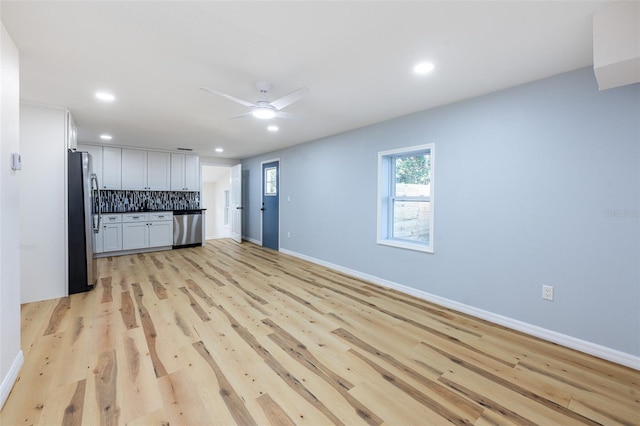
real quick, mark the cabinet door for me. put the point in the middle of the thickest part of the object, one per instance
(177, 172)
(98, 245)
(111, 168)
(134, 169)
(112, 236)
(96, 159)
(160, 234)
(158, 167)
(135, 235)
(192, 173)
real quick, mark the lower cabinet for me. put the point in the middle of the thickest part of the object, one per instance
(146, 230)
(109, 235)
(135, 235)
(134, 231)
(160, 229)
(112, 236)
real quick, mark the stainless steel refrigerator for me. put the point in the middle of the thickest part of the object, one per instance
(83, 221)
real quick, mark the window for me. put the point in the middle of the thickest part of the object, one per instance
(271, 181)
(226, 207)
(405, 198)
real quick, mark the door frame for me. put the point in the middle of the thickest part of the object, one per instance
(262, 163)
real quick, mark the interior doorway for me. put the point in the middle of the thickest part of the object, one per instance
(215, 195)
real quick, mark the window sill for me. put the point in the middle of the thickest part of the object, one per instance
(407, 245)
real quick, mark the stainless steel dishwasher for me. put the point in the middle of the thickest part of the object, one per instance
(187, 228)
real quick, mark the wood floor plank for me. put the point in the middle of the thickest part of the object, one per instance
(237, 334)
(234, 403)
(106, 373)
(275, 413)
(182, 403)
(149, 331)
(65, 405)
(136, 377)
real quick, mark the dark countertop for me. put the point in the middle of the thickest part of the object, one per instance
(157, 211)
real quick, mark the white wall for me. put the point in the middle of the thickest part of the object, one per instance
(537, 184)
(43, 222)
(10, 354)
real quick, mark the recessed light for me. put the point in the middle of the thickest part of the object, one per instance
(104, 96)
(106, 137)
(219, 150)
(423, 68)
(273, 128)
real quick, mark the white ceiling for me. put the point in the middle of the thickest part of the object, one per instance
(355, 57)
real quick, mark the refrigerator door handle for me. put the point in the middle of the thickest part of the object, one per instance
(96, 228)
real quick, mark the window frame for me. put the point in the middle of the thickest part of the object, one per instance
(386, 198)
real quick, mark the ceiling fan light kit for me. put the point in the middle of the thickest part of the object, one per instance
(263, 112)
(263, 109)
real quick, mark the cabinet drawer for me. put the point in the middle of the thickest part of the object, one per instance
(160, 216)
(135, 217)
(111, 218)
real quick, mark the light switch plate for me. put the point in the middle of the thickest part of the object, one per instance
(16, 161)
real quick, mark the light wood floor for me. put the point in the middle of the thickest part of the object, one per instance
(236, 334)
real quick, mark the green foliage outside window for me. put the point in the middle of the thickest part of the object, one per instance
(415, 169)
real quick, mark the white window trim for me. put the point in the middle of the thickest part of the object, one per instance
(382, 207)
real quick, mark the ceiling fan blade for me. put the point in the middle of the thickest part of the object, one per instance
(292, 97)
(231, 98)
(246, 114)
(287, 115)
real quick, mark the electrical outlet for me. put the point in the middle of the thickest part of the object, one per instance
(288, 234)
(547, 292)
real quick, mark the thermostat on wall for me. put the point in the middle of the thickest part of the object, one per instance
(16, 161)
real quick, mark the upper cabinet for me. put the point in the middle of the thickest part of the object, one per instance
(106, 164)
(140, 170)
(145, 170)
(134, 169)
(185, 172)
(158, 170)
(111, 168)
(71, 132)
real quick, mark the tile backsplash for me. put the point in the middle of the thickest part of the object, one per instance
(132, 201)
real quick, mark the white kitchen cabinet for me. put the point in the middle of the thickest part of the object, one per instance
(109, 237)
(158, 167)
(111, 168)
(71, 132)
(98, 241)
(185, 172)
(192, 173)
(135, 236)
(134, 169)
(160, 229)
(112, 237)
(106, 164)
(135, 231)
(147, 230)
(145, 170)
(96, 159)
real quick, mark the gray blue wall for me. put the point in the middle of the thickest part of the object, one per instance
(538, 184)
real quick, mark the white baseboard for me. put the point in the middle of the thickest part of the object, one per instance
(251, 240)
(587, 347)
(10, 378)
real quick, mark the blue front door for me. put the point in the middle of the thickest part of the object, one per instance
(270, 204)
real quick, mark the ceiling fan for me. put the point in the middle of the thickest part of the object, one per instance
(262, 108)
